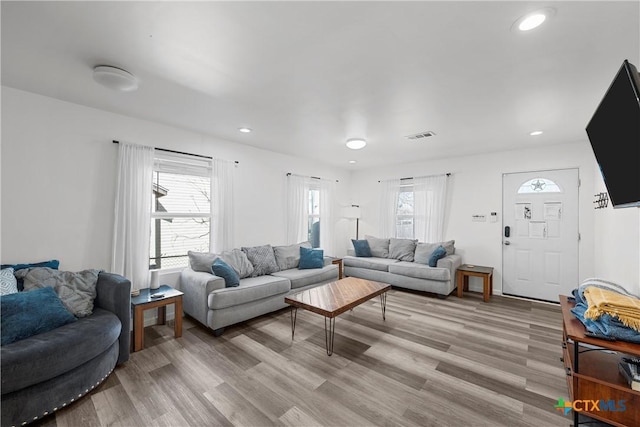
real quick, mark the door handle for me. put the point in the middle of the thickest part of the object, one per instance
(507, 243)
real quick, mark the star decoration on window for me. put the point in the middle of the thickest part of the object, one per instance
(538, 185)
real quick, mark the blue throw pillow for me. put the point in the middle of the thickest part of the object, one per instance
(440, 252)
(362, 248)
(224, 270)
(54, 264)
(24, 314)
(311, 258)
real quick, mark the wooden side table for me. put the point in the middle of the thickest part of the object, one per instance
(146, 301)
(338, 262)
(467, 270)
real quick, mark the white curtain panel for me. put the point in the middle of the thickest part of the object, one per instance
(132, 223)
(327, 216)
(388, 207)
(296, 209)
(430, 198)
(222, 223)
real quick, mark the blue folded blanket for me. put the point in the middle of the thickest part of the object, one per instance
(605, 324)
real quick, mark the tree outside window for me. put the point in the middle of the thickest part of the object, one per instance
(405, 213)
(313, 222)
(180, 218)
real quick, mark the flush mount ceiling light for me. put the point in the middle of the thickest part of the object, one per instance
(356, 143)
(535, 133)
(533, 20)
(244, 130)
(352, 162)
(115, 78)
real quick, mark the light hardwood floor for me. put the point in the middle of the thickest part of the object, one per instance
(453, 362)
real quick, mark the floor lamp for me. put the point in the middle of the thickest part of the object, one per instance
(352, 212)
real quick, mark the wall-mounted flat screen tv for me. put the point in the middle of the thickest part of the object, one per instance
(614, 133)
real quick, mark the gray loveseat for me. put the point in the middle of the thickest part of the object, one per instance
(49, 371)
(208, 300)
(404, 263)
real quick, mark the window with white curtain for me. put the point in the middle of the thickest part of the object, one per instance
(405, 211)
(313, 223)
(181, 209)
(414, 208)
(309, 211)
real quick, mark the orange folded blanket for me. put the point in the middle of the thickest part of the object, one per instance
(601, 301)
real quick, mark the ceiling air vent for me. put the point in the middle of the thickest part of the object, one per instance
(421, 135)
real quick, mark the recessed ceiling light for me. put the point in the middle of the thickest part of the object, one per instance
(356, 143)
(352, 161)
(244, 130)
(533, 20)
(535, 133)
(115, 78)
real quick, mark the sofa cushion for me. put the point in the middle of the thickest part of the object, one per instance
(28, 313)
(222, 269)
(238, 260)
(77, 290)
(47, 355)
(379, 247)
(361, 248)
(201, 261)
(449, 246)
(373, 263)
(54, 263)
(8, 282)
(289, 256)
(402, 249)
(311, 258)
(439, 253)
(250, 289)
(262, 258)
(302, 278)
(419, 271)
(423, 252)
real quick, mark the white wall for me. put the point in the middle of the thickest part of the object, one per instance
(475, 187)
(58, 178)
(59, 173)
(617, 242)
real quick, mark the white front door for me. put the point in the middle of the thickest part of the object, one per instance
(540, 233)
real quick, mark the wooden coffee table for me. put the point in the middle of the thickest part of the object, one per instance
(335, 298)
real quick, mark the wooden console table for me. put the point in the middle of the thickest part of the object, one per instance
(592, 372)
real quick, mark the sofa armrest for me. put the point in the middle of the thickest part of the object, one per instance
(113, 293)
(450, 262)
(197, 285)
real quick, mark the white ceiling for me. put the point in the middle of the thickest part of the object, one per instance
(306, 76)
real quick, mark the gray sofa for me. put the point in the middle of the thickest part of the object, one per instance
(403, 263)
(49, 371)
(208, 300)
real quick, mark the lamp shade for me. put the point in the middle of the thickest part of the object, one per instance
(154, 281)
(352, 212)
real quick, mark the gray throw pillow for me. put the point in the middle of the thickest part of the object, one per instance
(238, 260)
(8, 282)
(379, 247)
(423, 252)
(288, 257)
(402, 249)
(77, 291)
(449, 246)
(262, 258)
(201, 261)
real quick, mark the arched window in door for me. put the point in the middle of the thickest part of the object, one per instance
(539, 185)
